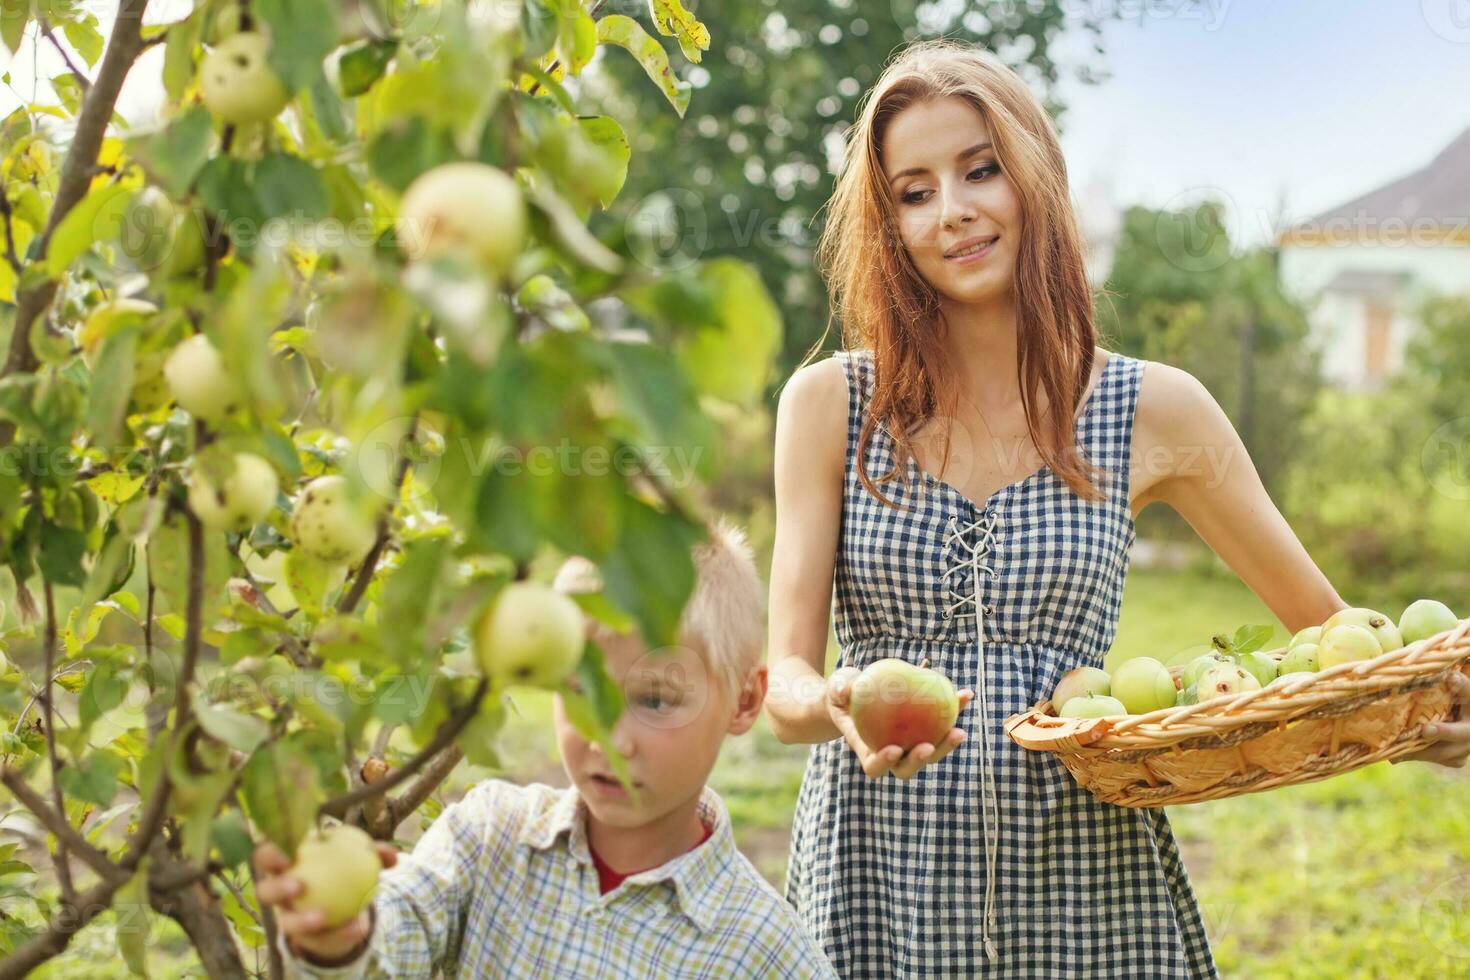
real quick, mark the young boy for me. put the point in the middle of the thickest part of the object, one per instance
(591, 881)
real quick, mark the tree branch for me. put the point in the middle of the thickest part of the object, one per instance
(53, 939)
(435, 773)
(63, 864)
(61, 827)
(369, 564)
(123, 48)
(77, 73)
(337, 806)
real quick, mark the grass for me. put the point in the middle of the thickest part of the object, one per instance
(1364, 875)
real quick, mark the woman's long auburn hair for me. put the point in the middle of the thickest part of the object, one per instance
(885, 304)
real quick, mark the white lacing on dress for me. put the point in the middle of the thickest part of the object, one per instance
(973, 560)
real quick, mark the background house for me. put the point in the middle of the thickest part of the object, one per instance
(1363, 266)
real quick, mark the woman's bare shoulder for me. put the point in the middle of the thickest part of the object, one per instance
(812, 413)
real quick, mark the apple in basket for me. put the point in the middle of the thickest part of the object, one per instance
(1079, 681)
(1383, 629)
(1425, 618)
(1093, 706)
(894, 702)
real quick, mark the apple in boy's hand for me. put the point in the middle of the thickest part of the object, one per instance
(894, 702)
(338, 870)
(337, 865)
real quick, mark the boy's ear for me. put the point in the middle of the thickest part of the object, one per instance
(752, 696)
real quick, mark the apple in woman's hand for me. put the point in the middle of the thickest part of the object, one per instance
(894, 702)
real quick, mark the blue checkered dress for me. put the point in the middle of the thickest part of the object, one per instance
(992, 862)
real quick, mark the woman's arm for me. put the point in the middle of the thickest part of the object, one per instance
(811, 445)
(811, 452)
(1191, 458)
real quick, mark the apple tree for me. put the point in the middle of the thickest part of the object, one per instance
(309, 387)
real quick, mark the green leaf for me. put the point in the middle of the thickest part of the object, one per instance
(60, 557)
(538, 27)
(177, 153)
(13, 17)
(93, 779)
(660, 407)
(82, 626)
(479, 736)
(671, 19)
(567, 229)
(326, 109)
(288, 187)
(593, 702)
(111, 568)
(362, 64)
(112, 385)
(231, 835)
(650, 572)
(1251, 638)
(576, 37)
(238, 731)
(405, 149)
(410, 595)
(725, 327)
(178, 56)
(281, 791)
(135, 919)
(104, 691)
(168, 560)
(627, 33)
(97, 217)
(302, 33)
(607, 135)
(308, 579)
(84, 36)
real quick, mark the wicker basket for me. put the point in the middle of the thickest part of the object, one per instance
(1346, 716)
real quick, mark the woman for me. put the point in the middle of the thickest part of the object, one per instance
(968, 523)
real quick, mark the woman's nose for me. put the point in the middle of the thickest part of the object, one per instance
(954, 209)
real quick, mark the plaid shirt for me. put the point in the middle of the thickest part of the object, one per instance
(502, 884)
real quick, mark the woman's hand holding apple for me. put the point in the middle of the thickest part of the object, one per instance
(878, 761)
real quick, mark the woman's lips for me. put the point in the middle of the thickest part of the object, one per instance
(974, 256)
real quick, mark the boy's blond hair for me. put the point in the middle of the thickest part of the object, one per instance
(724, 620)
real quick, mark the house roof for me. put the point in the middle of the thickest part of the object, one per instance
(1374, 283)
(1437, 193)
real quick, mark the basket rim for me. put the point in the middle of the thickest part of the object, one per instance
(1411, 665)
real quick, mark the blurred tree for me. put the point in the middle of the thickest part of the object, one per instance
(750, 172)
(1179, 293)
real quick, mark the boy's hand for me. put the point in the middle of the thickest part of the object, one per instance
(889, 758)
(305, 929)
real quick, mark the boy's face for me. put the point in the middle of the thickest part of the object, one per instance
(676, 716)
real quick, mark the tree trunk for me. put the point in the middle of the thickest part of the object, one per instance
(197, 910)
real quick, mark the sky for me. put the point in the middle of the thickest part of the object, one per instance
(1256, 102)
(1311, 100)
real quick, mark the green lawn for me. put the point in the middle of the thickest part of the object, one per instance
(1363, 875)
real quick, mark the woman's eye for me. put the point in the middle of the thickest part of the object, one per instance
(914, 197)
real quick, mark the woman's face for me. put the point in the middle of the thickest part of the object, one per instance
(947, 190)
